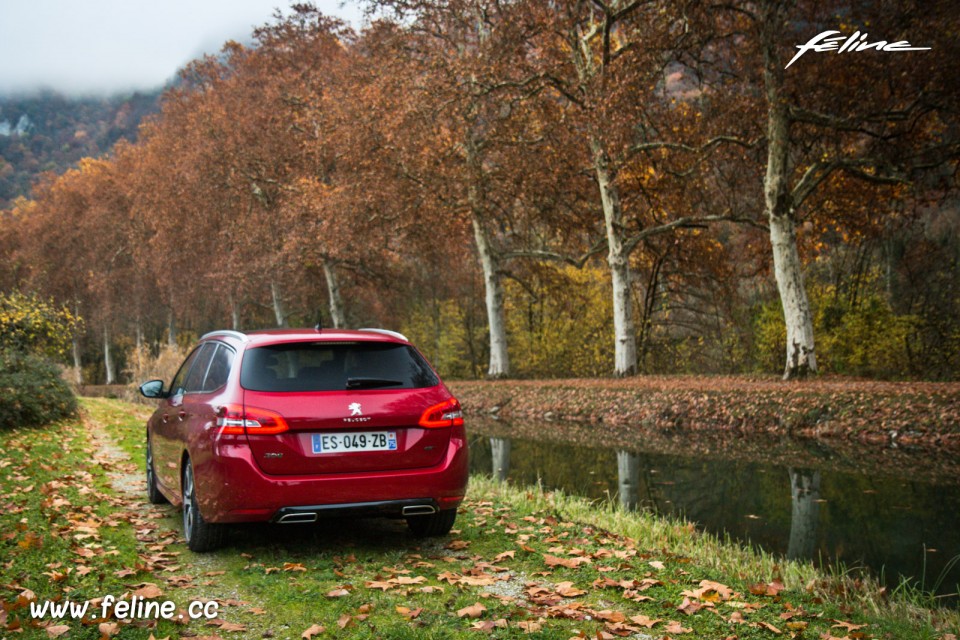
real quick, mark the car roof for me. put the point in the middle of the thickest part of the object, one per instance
(278, 336)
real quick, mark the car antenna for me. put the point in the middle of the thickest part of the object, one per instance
(319, 326)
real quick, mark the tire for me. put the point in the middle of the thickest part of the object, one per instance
(201, 535)
(153, 491)
(434, 524)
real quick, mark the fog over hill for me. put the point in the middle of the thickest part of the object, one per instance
(49, 131)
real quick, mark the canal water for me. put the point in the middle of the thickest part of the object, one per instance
(895, 526)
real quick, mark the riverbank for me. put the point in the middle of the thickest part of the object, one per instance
(518, 562)
(911, 415)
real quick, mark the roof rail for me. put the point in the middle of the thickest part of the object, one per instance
(226, 332)
(386, 332)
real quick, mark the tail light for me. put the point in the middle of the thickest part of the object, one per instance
(445, 414)
(236, 419)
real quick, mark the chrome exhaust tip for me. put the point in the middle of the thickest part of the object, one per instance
(296, 518)
(419, 510)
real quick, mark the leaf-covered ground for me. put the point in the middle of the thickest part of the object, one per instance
(898, 414)
(76, 526)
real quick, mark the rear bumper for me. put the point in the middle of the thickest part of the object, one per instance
(383, 508)
(232, 488)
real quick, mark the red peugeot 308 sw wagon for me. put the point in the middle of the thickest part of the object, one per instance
(291, 425)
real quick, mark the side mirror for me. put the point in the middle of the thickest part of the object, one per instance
(153, 389)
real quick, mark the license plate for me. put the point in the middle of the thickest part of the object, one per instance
(323, 443)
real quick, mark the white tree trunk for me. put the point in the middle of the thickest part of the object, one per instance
(234, 314)
(77, 363)
(337, 315)
(171, 330)
(493, 288)
(278, 309)
(801, 359)
(139, 348)
(625, 345)
(108, 357)
(778, 199)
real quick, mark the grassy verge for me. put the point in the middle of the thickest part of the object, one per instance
(75, 526)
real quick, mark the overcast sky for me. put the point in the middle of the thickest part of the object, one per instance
(107, 46)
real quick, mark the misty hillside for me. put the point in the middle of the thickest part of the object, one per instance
(51, 132)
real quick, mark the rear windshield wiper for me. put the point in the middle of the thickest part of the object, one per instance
(371, 383)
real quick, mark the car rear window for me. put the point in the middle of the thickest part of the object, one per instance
(334, 366)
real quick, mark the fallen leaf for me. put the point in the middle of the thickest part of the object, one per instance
(570, 563)
(847, 626)
(409, 614)
(487, 626)
(771, 589)
(148, 590)
(312, 631)
(689, 606)
(769, 627)
(675, 627)
(644, 621)
(567, 590)
(529, 626)
(380, 584)
(473, 611)
(57, 630)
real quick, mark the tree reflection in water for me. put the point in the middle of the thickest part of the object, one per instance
(628, 472)
(500, 454)
(805, 499)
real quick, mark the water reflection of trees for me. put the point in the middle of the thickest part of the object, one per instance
(805, 513)
(500, 455)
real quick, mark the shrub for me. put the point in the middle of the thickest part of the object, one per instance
(30, 324)
(32, 392)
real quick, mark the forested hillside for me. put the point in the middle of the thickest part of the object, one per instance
(534, 188)
(52, 132)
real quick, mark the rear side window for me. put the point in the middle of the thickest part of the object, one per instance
(219, 369)
(199, 368)
(177, 386)
(327, 366)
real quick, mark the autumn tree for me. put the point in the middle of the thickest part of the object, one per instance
(466, 76)
(828, 126)
(89, 203)
(628, 73)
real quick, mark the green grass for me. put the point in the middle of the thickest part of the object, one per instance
(372, 579)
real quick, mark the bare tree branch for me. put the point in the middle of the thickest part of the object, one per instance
(539, 254)
(686, 222)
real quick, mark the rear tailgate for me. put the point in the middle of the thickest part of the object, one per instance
(354, 431)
